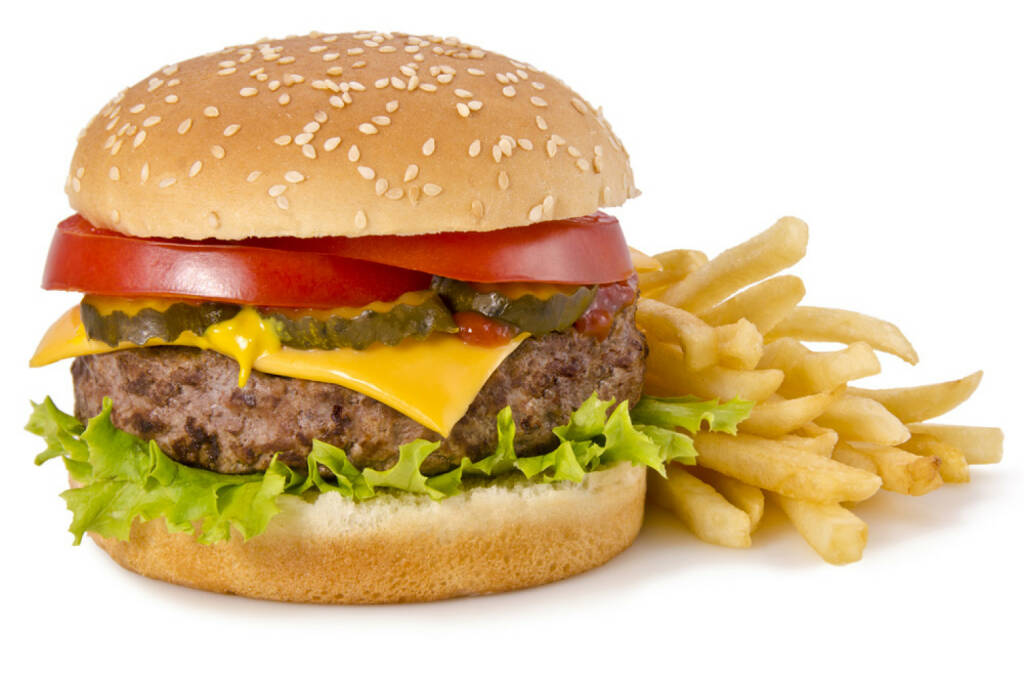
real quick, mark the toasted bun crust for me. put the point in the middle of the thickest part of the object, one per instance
(493, 538)
(347, 134)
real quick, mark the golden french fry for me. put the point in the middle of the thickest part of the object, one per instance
(739, 345)
(667, 375)
(863, 420)
(834, 532)
(817, 371)
(675, 265)
(954, 464)
(900, 470)
(825, 437)
(777, 248)
(821, 446)
(764, 304)
(747, 498)
(661, 322)
(811, 323)
(918, 403)
(643, 263)
(775, 417)
(980, 444)
(774, 466)
(708, 515)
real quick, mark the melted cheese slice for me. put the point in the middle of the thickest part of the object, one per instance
(432, 381)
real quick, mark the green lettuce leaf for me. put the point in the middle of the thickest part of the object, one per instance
(119, 478)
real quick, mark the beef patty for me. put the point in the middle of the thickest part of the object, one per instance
(188, 401)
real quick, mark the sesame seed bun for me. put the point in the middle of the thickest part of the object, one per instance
(402, 548)
(345, 134)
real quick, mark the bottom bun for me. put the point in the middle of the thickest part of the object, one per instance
(401, 548)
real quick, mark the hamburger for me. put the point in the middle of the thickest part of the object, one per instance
(354, 328)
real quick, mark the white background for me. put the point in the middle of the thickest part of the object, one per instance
(896, 130)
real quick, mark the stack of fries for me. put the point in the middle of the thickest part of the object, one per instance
(724, 328)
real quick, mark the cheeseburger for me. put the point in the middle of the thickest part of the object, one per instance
(354, 328)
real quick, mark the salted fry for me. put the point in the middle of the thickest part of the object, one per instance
(918, 403)
(774, 466)
(863, 420)
(954, 464)
(674, 266)
(821, 446)
(775, 249)
(899, 470)
(980, 444)
(739, 345)
(763, 304)
(662, 322)
(644, 263)
(817, 371)
(825, 437)
(747, 498)
(705, 512)
(667, 375)
(775, 417)
(811, 323)
(834, 532)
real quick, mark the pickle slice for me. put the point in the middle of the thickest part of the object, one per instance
(148, 323)
(529, 313)
(388, 327)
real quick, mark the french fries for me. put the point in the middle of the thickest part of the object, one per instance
(722, 329)
(917, 403)
(775, 466)
(778, 248)
(835, 533)
(704, 511)
(863, 420)
(811, 323)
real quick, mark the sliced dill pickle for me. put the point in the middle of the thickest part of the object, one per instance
(166, 322)
(369, 327)
(537, 316)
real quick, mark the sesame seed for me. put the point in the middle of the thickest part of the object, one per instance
(411, 172)
(173, 82)
(355, 51)
(274, 85)
(474, 148)
(541, 124)
(463, 109)
(114, 173)
(463, 94)
(502, 78)
(477, 208)
(579, 105)
(552, 148)
(397, 82)
(211, 112)
(194, 169)
(226, 64)
(536, 212)
(110, 141)
(508, 90)
(282, 202)
(330, 56)
(381, 120)
(167, 181)
(445, 78)
(381, 83)
(431, 189)
(335, 70)
(496, 153)
(537, 101)
(115, 216)
(303, 138)
(598, 164)
(293, 177)
(475, 105)
(573, 151)
(253, 176)
(332, 143)
(286, 60)
(76, 185)
(310, 128)
(475, 71)
(144, 173)
(139, 138)
(217, 151)
(525, 144)
(558, 139)
(503, 180)
(367, 128)
(607, 195)
(381, 186)
(320, 117)
(407, 71)
(549, 204)
(170, 70)
(213, 220)
(395, 193)
(283, 140)
(428, 146)
(366, 172)
(391, 106)
(226, 71)
(506, 146)
(309, 151)
(414, 82)
(276, 190)
(231, 129)
(116, 147)
(137, 108)
(353, 153)
(428, 87)
(248, 91)
(537, 85)
(387, 49)
(360, 220)
(171, 98)
(522, 74)
(284, 99)
(336, 101)
(318, 48)
(583, 164)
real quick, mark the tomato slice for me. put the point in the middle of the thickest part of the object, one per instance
(582, 251)
(84, 258)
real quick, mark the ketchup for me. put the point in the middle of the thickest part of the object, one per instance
(479, 330)
(609, 300)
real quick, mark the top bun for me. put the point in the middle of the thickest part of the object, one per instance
(345, 134)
